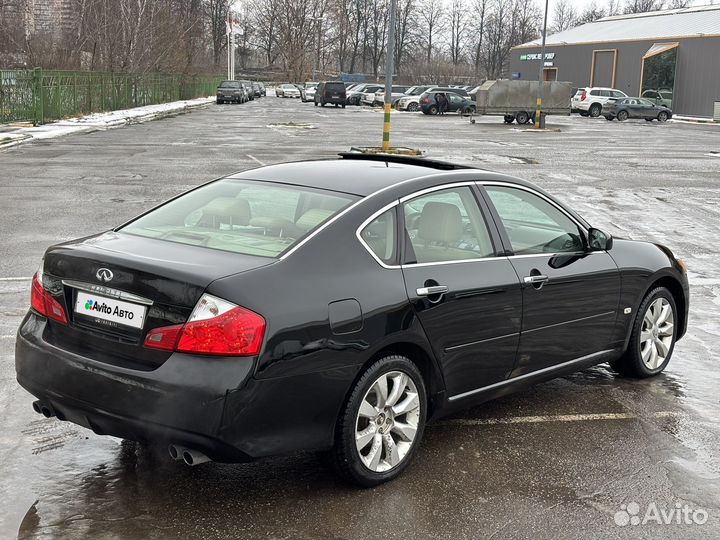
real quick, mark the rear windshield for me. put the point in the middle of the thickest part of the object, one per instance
(230, 84)
(241, 216)
(335, 87)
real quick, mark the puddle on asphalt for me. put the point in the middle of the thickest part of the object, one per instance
(292, 125)
(497, 159)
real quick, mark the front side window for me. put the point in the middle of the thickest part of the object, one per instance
(241, 216)
(379, 235)
(533, 224)
(446, 225)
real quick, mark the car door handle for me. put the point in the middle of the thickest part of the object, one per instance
(432, 291)
(536, 280)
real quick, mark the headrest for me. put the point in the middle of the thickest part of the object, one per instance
(440, 222)
(312, 218)
(237, 210)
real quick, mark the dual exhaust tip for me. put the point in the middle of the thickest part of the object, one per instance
(189, 456)
(46, 410)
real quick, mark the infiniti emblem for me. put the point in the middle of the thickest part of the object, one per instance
(104, 274)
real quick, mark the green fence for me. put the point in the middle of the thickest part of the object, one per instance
(41, 96)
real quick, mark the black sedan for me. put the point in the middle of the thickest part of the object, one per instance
(622, 109)
(337, 306)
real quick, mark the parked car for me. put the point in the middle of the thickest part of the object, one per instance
(231, 92)
(332, 92)
(288, 90)
(263, 90)
(455, 103)
(637, 108)
(257, 90)
(590, 101)
(175, 328)
(659, 97)
(397, 92)
(355, 95)
(307, 92)
(411, 100)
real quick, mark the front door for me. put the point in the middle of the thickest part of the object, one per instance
(570, 294)
(468, 299)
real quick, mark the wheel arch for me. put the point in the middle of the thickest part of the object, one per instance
(423, 359)
(673, 285)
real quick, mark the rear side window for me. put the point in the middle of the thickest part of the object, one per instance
(241, 216)
(446, 226)
(595, 93)
(379, 236)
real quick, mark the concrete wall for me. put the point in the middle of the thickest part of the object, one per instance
(697, 76)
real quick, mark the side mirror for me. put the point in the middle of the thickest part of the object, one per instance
(599, 240)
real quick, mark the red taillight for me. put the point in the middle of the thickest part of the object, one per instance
(44, 303)
(583, 96)
(426, 100)
(215, 327)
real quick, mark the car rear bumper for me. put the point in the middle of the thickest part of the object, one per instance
(213, 405)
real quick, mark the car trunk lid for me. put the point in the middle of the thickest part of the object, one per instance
(158, 281)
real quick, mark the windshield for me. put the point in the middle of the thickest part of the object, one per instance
(230, 84)
(241, 216)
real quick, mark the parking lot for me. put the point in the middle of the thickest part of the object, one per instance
(565, 459)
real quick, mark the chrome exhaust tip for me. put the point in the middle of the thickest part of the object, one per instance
(193, 457)
(176, 452)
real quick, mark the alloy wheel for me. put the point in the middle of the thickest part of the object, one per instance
(657, 333)
(387, 421)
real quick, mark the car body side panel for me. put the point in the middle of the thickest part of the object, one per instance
(641, 265)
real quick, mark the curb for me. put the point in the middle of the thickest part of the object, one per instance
(13, 140)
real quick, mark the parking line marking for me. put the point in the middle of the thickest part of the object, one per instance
(256, 160)
(548, 418)
(10, 336)
(15, 278)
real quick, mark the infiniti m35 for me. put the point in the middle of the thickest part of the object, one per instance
(336, 306)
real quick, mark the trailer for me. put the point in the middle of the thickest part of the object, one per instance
(517, 100)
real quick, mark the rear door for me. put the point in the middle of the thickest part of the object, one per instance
(466, 296)
(570, 294)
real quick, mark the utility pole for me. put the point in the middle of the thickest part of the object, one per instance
(541, 77)
(316, 64)
(389, 69)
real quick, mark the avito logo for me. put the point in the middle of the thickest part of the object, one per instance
(94, 305)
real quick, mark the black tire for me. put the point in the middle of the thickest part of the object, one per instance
(413, 107)
(662, 116)
(582, 113)
(509, 118)
(595, 110)
(433, 109)
(316, 103)
(220, 102)
(322, 103)
(608, 118)
(649, 119)
(343, 106)
(522, 117)
(631, 363)
(345, 456)
(622, 116)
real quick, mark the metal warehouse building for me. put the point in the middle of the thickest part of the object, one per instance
(671, 57)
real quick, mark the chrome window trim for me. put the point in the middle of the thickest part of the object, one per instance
(534, 192)
(107, 291)
(357, 203)
(436, 188)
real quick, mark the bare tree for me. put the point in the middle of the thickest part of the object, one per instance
(564, 16)
(458, 28)
(643, 6)
(432, 21)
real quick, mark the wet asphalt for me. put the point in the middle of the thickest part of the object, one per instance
(564, 459)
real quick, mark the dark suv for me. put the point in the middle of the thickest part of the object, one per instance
(330, 92)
